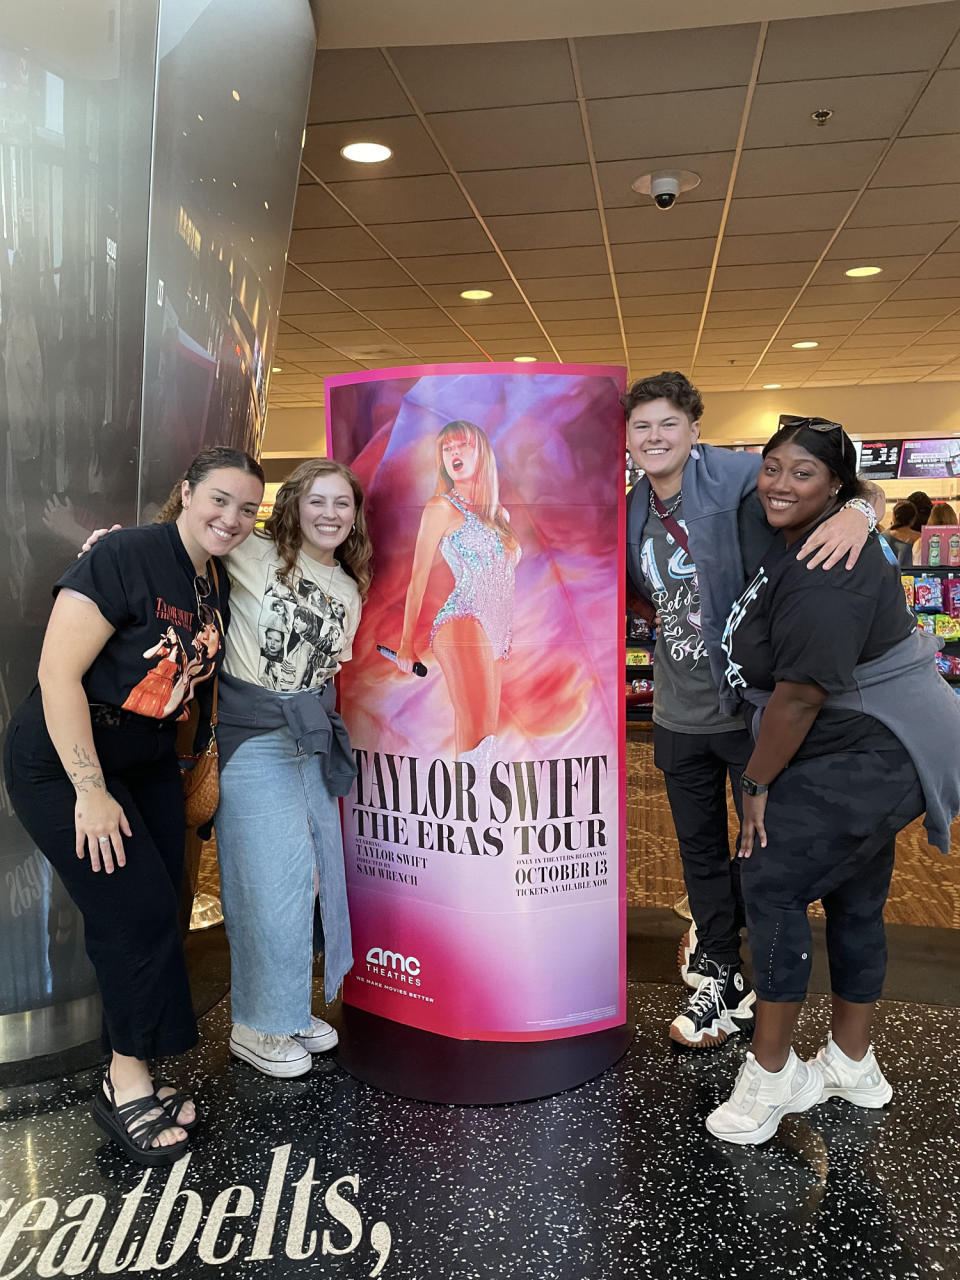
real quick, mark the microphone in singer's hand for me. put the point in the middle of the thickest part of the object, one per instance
(418, 668)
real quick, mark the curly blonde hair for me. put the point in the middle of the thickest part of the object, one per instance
(354, 554)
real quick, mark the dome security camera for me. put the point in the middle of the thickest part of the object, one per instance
(664, 187)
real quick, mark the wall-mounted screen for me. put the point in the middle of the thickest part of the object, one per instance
(880, 459)
(930, 459)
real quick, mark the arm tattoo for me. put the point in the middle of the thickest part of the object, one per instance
(85, 774)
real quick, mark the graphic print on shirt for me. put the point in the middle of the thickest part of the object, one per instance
(734, 674)
(677, 600)
(301, 632)
(170, 684)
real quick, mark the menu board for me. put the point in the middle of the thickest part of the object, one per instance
(930, 459)
(880, 459)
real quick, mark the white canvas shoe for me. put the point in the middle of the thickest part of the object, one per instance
(274, 1055)
(761, 1099)
(320, 1037)
(862, 1083)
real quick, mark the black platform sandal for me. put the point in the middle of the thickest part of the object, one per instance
(173, 1103)
(130, 1128)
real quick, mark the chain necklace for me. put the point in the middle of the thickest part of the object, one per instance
(667, 510)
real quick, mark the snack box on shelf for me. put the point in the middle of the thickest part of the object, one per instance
(928, 593)
(639, 657)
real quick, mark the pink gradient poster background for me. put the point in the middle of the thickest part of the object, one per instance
(512, 926)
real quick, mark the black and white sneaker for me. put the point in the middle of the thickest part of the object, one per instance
(691, 959)
(721, 1006)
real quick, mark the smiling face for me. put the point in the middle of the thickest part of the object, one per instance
(219, 511)
(659, 439)
(795, 488)
(327, 512)
(460, 459)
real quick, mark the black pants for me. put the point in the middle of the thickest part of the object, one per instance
(130, 917)
(831, 825)
(695, 769)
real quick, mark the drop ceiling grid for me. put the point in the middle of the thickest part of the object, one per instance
(560, 251)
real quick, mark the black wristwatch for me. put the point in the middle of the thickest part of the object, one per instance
(751, 788)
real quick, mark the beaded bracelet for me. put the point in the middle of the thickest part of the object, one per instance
(865, 509)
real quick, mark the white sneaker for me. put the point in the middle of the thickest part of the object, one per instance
(761, 1099)
(273, 1055)
(319, 1039)
(862, 1083)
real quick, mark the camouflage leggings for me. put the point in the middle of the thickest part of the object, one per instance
(831, 826)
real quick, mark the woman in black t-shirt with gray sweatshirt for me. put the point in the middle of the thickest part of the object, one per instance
(837, 681)
(92, 772)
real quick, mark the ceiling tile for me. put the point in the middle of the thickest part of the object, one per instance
(798, 246)
(584, 326)
(915, 162)
(702, 120)
(314, 208)
(546, 189)
(428, 333)
(457, 268)
(563, 288)
(867, 243)
(413, 152)
(311, 302)
(866, 291)
(940, 265)
(949, 288)
(952, 245)
(910, 325)
(838, 311)
(656, 283)
(403, 199)
(333, 244)
(352, 83)
(402, 296)
(938, 111)
(464, 77)
(617, 175)
(489, 333)
(672, 305)
(837, 166)
(586, 261)
(851, 44)
(546, 230)
(683, 222)
(601, 308)
(347, 274)
(820, 212)
(935, 307)
(519, 137)
(750, 299)
(667, 61)
(736, 319)
(745, 333)
(863, 107)
(433, 239)
(588, 342)
(662, 256)
(770, 275)
(408, 318)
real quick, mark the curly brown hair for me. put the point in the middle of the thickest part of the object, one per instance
(670, 385)
(217, 457)
(354, 554)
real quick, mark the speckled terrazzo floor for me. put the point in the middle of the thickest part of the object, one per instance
(615, 1179)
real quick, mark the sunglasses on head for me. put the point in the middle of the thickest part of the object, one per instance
(822, 425)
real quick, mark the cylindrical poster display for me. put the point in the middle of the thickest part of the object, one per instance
(484, 837)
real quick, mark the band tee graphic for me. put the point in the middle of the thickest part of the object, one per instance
(301, 632)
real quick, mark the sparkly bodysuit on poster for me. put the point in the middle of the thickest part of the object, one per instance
(483, 576)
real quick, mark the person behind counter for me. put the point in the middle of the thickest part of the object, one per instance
(941, 515)
(91, 769)
(855, 736)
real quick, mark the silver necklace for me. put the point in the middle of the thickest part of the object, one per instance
(667, 511)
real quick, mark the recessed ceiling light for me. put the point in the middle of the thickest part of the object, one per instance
(476, 295)
(859, 272)
(804, 346)
(772, 386)
(366, 152)
(524, 359)
(277, 369)
(236, 96)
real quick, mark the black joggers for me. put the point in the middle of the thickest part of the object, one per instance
(130, 917)
(695, 767)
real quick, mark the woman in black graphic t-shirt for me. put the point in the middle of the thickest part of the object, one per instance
(136, 633)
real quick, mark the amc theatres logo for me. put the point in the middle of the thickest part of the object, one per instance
(391, 964)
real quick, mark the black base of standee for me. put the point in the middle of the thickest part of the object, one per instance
(429, 1068)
